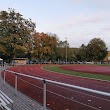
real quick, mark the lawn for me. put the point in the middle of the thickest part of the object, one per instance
(57, 68)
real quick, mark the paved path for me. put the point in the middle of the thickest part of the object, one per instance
(21, 102)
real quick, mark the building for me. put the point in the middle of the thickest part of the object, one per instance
(19, 61)
(107, 58)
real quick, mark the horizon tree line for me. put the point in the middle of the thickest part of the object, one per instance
(18, 38)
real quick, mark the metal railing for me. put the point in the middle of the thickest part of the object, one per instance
(52, 82)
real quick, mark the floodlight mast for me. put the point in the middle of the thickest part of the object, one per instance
(66, 49)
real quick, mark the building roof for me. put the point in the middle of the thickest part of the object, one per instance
(19, 58)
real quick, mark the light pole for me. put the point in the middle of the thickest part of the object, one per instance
(66, 50)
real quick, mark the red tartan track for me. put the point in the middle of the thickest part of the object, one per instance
(61, 98)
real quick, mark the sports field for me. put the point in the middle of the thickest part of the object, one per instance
(59, 97)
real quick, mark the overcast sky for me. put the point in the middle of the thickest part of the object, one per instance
(77, 20)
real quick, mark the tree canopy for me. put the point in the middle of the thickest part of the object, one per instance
(15, 33)
(82, 53)
(44, 46)
(95, 50)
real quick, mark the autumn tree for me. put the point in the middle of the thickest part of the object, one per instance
(15, 34)
(44, 46)
(96, 50)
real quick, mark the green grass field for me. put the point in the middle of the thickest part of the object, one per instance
(57, 68)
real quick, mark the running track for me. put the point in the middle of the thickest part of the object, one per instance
(61, 98)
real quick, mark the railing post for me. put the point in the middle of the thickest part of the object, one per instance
(16, 84)
(44, 95)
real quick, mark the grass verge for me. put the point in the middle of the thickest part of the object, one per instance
(81, 74)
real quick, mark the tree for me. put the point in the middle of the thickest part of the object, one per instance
(44, 46)
(15, 33)
(82, 53)
(72, 52)
(96, 50)
(61, 50)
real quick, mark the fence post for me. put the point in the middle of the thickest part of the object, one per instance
(16, 84)
(44, 95)
(4, 65)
